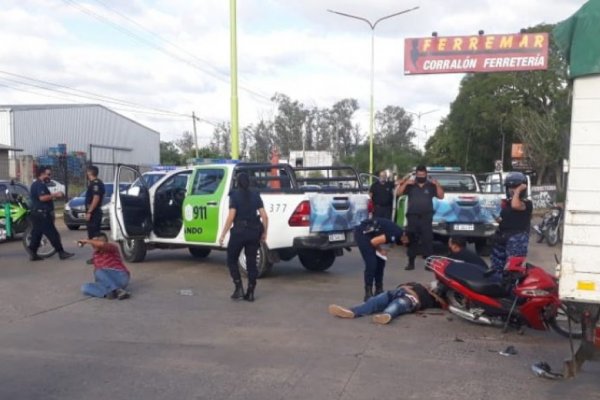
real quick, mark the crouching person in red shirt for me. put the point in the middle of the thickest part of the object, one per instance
(110, 274)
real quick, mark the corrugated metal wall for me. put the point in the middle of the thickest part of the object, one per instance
(35, 130)
(4, 173)
(5, 137)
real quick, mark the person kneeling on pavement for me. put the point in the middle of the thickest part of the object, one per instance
(111, 276)
(406, 298)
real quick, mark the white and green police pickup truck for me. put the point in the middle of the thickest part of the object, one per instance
(312, 211)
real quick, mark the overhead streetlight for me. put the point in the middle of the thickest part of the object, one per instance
(372, 25)
(235, 141)
(419, 115)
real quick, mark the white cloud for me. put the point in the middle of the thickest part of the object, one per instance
(295, 48)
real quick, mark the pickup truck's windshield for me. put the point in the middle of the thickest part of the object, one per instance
(457, 183)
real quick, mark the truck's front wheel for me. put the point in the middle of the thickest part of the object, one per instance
(134, 250)
(262, 262)
(317, 260)
(483, 247)
(199, 252)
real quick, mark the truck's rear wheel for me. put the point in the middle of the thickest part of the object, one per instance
(262, 262)
(317, 260)
(483, 248)
(199, 252)
(134, 250)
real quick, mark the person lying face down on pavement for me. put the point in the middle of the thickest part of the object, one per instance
(406, 298)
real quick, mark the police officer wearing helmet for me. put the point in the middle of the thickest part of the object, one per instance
(370, 235)
(512, 237)
(93, 202)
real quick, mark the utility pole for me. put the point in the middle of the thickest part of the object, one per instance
(195, 134)
(235, 140)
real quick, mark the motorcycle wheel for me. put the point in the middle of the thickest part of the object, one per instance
(45, 250)
(552, 236)
(560, 323)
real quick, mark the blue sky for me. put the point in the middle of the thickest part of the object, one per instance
(296, 48)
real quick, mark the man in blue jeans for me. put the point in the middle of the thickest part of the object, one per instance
(406, 298)
(111, 276)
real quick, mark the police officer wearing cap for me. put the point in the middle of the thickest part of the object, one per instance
(93, 202)
(42, 215)
(370, 235)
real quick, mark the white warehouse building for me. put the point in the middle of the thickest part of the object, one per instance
(106, 137)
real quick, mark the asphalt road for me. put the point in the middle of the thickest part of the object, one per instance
(57, 344)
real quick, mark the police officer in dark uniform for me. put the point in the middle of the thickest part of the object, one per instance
(42, 215)
(250, 223)
(419, 215)
(382, 195)
(93, 202)
(370, 235)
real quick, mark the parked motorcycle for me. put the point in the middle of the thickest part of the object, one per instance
(523, 295)
(551, 227)
(16, 223)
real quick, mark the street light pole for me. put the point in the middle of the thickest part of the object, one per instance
(195, 134)
(235, 145)
(372, 25)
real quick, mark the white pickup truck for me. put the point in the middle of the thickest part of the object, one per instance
(312, 211)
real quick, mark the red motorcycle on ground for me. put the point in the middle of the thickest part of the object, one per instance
(522, 295)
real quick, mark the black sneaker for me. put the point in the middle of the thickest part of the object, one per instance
(409, 267)
(63, 255)
(122, 294)
(111, 295)
(34, 257)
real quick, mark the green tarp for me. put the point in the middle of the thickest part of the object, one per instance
(579, 39)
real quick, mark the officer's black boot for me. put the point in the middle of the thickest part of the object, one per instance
(63, 255)
(250, 292)
(238, 293)
(368, 292)
(411, 264)
(378, 288)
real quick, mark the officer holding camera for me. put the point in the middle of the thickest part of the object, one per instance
(419, 216)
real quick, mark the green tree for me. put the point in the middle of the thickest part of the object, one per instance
(496, 105)
(169, 154)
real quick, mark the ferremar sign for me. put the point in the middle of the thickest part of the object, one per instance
(477, 53)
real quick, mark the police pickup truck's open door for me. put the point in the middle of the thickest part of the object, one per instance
(131, 214)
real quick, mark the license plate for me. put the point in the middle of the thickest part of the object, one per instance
(337, 237)
(464, 227)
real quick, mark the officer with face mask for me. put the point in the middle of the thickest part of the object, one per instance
(42, 215)
(419, 215)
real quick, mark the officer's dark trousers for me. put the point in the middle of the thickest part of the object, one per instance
(374, 265)
(249, 240)
(383, 212)
(43, 224)
(419, 230)
(93, 225)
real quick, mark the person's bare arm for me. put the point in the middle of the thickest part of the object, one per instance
(228, 224)
(265, 222)
(378, 241)
(401, 189)
(516, 203)
(439, 190)
(95, 204)
(96, 244)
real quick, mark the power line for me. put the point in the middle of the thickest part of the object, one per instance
(151, 44)
(93, 96)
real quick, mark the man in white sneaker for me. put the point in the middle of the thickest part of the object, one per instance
(406, 298)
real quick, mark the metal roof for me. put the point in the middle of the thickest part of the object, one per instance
(30, 107)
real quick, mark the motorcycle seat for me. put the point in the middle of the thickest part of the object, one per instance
(473, 277)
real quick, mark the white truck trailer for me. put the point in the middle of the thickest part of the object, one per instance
(580, 265)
